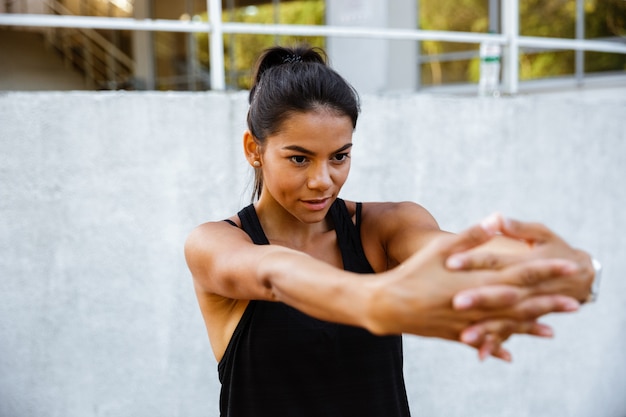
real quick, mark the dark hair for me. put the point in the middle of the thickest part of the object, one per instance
(294, 80)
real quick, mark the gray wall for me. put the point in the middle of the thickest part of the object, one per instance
(388, 61)
(99, 190)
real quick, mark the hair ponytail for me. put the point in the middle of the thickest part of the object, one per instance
(279, 55)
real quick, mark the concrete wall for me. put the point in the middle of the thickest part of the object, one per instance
(99, 190)
(389, 63)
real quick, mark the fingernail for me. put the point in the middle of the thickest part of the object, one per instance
(454, 262)
(570, 268)
(462, 301)
(469, 336)
(491, 224)
(571, 305)
(544, 331)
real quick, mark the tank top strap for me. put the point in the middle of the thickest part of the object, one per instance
(349, 238)
(357, 222)
(348, 234)
(252, 226)
(232, 223)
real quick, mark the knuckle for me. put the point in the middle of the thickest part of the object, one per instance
(476, 234)
(542, 231)
(504, 329)
(491, 261)
(510, 296)
(529, 277)
(472, 236)
(508, 328)
(531, 311)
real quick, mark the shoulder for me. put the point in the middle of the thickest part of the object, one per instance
(211, 237)
(396, 230)
(208, 230)
(376, 211)
(397, 214)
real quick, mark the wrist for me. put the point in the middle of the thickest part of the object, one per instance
(378, 308)
(372, 302)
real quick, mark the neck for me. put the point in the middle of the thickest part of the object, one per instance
(283, 228)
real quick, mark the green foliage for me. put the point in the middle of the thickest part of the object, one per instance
(451, 15)
(610, 21)
(603, 18)
(241, 50)
(544, 18)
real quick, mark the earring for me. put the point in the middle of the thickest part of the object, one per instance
(256, 164)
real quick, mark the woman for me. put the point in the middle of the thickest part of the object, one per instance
(305, 295)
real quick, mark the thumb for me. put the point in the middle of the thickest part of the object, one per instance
(474, 236)
(529, 232)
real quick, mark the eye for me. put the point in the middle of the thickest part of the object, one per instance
(298, 159)
(341, 157)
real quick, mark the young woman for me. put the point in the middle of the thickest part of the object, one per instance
(305, 296)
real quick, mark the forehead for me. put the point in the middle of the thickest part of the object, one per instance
(317, 129)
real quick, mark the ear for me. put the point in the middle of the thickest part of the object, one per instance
(251, 148)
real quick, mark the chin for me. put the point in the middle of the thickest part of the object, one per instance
(313, 217)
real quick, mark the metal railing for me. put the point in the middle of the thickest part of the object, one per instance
(509, 37)
(103, 64)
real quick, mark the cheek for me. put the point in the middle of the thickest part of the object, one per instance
(282, 181)
(341, 174)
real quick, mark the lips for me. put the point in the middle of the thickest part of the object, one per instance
(316, 204)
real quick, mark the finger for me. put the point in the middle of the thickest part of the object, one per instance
(495, 349)
(487, 337)
(481, 260)
(502, 353)
(537, 306)
(528, 231)
(489, 297)
(475, 335)
(490, 345)
(493, 223)
(532, 272)
(473, 236)
(504, 288)
(539, 330)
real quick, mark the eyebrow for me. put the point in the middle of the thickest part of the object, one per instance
(305, 151)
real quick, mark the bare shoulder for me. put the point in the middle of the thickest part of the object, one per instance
(206, 237)
(204, 247)
(398, 214)
(210, 242)
(224, 261)
(396, 230)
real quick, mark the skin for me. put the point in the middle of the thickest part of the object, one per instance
(493, 286)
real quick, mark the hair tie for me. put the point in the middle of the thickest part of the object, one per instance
(291, 58)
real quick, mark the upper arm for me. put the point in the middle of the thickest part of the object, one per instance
(223, 261)
(398, 230)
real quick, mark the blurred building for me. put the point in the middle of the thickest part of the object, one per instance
(74, 59)
(82, 57)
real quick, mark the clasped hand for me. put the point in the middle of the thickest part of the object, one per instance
(544, 284)
(493, 280)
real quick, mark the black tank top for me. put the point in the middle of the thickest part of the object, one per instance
(283, 363)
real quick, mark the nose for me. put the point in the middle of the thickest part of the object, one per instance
(319, 177)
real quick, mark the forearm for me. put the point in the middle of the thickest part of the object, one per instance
(316, 288)
(414, 297)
